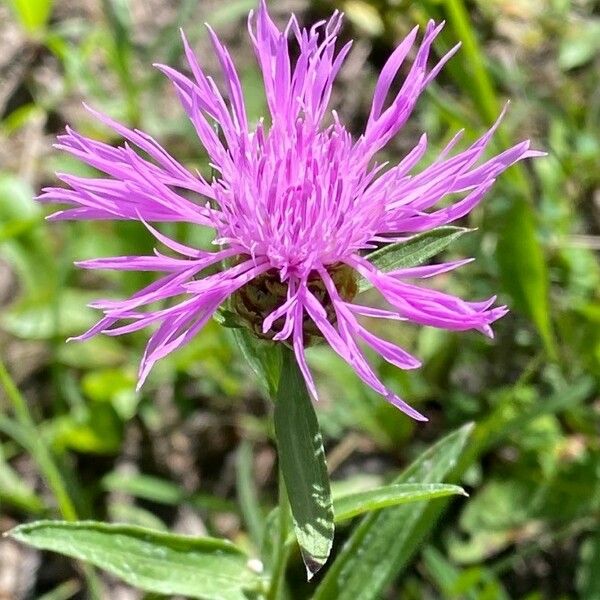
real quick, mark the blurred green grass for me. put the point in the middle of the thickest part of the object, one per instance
(530, 528)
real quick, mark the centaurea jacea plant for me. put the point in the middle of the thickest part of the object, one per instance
(297, 206)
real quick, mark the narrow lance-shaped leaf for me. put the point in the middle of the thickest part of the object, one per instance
(162, 491)
(383, 542)
(302, 462)
(412, 252)
(348, 506)
(150, 560)
(524, 270)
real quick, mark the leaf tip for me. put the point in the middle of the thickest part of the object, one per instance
(467, 428)
(313, 566)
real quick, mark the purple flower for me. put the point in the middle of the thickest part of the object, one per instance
(294, 203)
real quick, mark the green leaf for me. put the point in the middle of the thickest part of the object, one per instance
(263, 357)
(380, 547)
(302, 462)
(163, 491)
(414, 251)
(32, 14)
(150, 560)
(143, 486)
(524, 269)
(351, 505)
(15, 491)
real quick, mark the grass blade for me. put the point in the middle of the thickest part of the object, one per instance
(383, 542)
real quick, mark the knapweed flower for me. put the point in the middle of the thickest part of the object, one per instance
(296, 203)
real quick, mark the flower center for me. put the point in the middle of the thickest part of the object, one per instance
(261, 296)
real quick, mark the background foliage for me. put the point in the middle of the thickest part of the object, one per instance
(193, 451)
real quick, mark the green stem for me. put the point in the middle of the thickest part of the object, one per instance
(14, 396)
(119, 29)
(29, 437)
(483, 90)
(24, 431)
(481, 87)
(282, 549)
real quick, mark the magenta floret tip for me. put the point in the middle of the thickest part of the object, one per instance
(297, 206)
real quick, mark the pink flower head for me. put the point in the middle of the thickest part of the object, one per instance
(292, 201)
